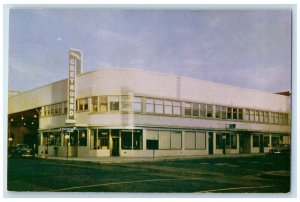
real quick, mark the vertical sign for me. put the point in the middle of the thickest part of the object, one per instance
(75, 67)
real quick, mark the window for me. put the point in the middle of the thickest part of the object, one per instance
(235, 113)
(285, 119)
(187, 109)
(114, 103)
(200, 140)
(229, 113)
(218, 112)
(103, 103)
(219, 141)
(57, 139)
(47, 110)
(176, 108)
(261, 116)
(240, 114)
(74, 138)
(276, 118)
(85, 104)
(176, 140)
(50, 139)
(103, 141)
(195, 109)
(247, 114)
(252, 115)
(149, 105)
(255, 142)
(189, 140)
(152, 139)
(82, 104)
(137, 104)
(125, 104)
(131, 139)
(82, 138)
(65, 107)
(209, 111)
(275, 141)
(94, 140)
(266, 117)
(45, 138)
(126, 139)
(95, 104)
(164, 140)
(233, 141)
(223, 112)
(202, 110)
(256, 116)
(138, 139)
(167, 107)
(280, 118)
(159, 109)
(272, 117)
(266, 141)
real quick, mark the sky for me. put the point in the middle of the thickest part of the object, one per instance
(245, 48)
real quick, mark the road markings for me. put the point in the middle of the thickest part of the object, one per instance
(111, 183)
(233, 188)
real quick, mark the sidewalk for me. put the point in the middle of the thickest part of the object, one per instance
(117, 159)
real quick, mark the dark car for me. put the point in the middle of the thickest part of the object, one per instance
(281, 149)
(22, 150)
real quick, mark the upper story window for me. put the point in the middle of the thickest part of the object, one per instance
(229, 113)
(209, 111)
(167, 107)
(202, 110)
(95, 104)
(125, 104)
(114, 103)
(218, 111)
(137, 104)
(176, 108)
(187, 109)
(195, 110)
(235, 113)
(240, 114)
(82, 104)
(266, 117)
(103, 103)
(149, 105)
(159, 109)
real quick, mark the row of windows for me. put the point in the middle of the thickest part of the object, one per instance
(167, 107)
(266, 140)
(158, 139)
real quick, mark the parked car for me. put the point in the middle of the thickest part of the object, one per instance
(22, 150)
(281, 149)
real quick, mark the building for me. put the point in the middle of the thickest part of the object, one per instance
(139, 113)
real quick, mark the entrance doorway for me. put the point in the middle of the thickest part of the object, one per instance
(115, 147)
(210, 143)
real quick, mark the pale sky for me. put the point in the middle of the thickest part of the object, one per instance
(245, 48)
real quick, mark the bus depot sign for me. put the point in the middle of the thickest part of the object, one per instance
(75, 68)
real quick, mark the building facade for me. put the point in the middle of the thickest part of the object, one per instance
(138, 113)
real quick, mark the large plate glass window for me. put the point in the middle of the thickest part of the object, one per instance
(152, 139)
(164, 140)
(176, 138)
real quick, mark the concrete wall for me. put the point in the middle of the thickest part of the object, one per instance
(141, 82)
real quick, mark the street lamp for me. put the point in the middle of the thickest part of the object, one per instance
(67, 138)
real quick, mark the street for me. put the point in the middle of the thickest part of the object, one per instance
(255, 174)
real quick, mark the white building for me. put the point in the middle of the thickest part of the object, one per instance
(131, 112)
